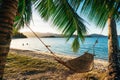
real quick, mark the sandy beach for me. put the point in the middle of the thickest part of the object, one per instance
(100, 66)
(47, 55)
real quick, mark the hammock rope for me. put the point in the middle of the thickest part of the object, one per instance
(58, 59)
(96, 41)
(80, 64)
(93, 47)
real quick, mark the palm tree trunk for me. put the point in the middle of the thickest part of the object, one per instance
(8, 9)
(113, 51)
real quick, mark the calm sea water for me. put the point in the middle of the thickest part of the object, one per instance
(60, 46)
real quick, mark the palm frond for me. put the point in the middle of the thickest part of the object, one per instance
(63, 16)
(98, 11)
(75, 3)
(24, 14)
(76, 44)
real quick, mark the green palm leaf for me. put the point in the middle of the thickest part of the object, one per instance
(24, 14)
(76, 44)
(63, 16)
(98, 11)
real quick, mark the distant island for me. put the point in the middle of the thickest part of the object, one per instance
(54, 35)
(19, 35)
(96, 35)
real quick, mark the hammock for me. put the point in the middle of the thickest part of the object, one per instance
(81, 64)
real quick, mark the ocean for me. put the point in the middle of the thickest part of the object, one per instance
(61, 46)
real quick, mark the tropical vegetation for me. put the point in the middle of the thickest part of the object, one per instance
(62, 13)
(102, 12)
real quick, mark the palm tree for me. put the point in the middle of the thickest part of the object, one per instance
(13, 15)
(17, 13)
(8, 10)
(102, 12)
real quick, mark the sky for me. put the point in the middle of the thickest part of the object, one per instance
(39, 25)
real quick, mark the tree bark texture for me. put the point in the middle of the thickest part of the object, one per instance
(113, 51)
(8, 9)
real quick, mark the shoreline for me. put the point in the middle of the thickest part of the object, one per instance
(98, 63)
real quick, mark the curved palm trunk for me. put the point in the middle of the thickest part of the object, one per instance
(113, 51)
(8, 9)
